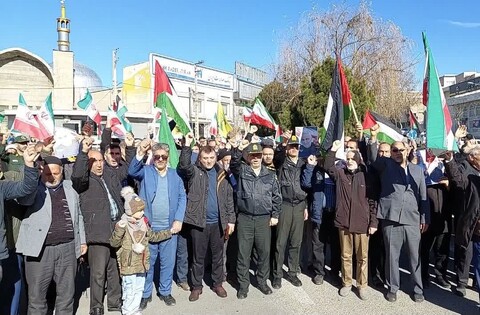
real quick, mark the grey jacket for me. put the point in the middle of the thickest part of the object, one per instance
(38, 219)
(403, 196)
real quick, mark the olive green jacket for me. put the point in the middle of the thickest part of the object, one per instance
(129, 261)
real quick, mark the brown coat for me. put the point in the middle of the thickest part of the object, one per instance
(130, 262)
(355, 207)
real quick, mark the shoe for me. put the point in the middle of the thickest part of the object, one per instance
(344, 291)
(461, 290)
(144, 302)
(391, 297)
(419, 298)
(184, 286)
(265, 289)
(293, 279)
(443, 283)
(277, 283)
(362, 293)
(168, 299)
(220, 291)
(318, 279)
(96, 311)
(115, 309)
(242, 294)
(194, 295)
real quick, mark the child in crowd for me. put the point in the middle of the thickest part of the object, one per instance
(132, 234)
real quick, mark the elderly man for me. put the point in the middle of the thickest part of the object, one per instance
(404, 209)
(11, 190)
(163, 190)
(51, 238)
(209, 215)
(102, 207)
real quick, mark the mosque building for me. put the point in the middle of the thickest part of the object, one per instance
(199, 88)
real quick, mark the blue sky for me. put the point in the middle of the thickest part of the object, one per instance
(222, 32)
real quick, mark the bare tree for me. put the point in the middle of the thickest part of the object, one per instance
(375, 50)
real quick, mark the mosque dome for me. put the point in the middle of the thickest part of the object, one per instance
(86, 78)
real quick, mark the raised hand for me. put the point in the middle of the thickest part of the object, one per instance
(144, 147)
(461, 132)
(336, 145)
(189, 139)
(86, 144)
(129, 139)
(30, 154)
(312, 160)
(253, 129)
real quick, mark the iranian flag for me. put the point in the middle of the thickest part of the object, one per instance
(86, 103)
(45, 118)
(439, 123)
(260, 116)
(120, 112)
(414, 124)
(247, 113)
(25, 122)
(164, 96)
(388, 132)
(213, 130)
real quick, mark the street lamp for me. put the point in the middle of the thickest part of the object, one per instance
(195, 99)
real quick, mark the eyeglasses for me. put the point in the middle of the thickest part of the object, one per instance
(158, 157)
(396, 150)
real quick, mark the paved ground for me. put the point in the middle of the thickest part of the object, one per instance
(311, 299)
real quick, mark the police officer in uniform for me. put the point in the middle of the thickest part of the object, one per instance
(259, 203)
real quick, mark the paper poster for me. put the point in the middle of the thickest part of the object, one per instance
(309, 140)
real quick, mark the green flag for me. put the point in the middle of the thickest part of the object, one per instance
(165, 136)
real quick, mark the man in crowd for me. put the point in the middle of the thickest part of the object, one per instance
(268, 153)
(210, 216)
(102, 207)
(468, 228)
(52, 237)
(259, 205)
(11, 190)
(164, 194)
(12, 157)
(355, 216)
(404, 208)
(294, 211)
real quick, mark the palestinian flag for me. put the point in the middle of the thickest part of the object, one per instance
(388, 132)
(414, 124)
(86, 103)
(164, 96)
(165, 136)
(439, 122)
(338, 103)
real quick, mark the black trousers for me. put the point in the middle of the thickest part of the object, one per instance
(57, 263)
(202, 239)
(253, 231)
(463, 258)
(323, 234)
(376, 255)
(103, 267)
(438, 242)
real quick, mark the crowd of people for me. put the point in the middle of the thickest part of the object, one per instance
(230, 204)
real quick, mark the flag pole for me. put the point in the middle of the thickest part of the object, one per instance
(354, 111)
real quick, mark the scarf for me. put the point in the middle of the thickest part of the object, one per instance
(137, 230)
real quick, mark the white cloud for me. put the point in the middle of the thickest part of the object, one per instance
(464, 24)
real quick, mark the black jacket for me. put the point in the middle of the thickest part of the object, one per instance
(121, 171)
(94, 200)
(11, 190)
(289, 176)
(470, 184)
(196, 179)
(256, 195)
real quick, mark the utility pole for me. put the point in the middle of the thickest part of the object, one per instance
(114, 73)
(195, 99)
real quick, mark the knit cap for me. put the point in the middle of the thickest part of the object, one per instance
(133, 203)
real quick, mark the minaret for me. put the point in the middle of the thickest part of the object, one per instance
(63, 30)
(63, 84)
